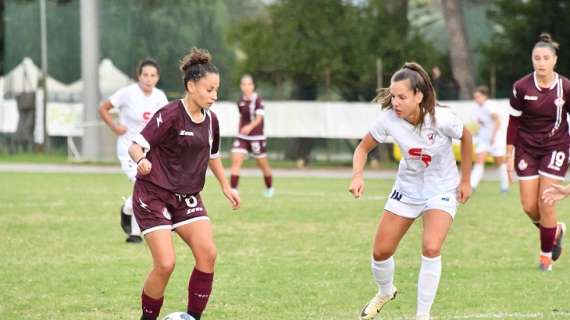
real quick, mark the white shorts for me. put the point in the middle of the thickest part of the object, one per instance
(499, 149)
(446, 202)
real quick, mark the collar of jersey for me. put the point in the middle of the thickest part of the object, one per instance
(188, 113)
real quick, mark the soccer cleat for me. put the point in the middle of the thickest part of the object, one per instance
(557, 249)
(545, 263)
(372, 308)
(134, 239)
(269, 192)
(125, 221)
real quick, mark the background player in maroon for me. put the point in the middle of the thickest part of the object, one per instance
(538, 134)
(251, 138)
(181, 140)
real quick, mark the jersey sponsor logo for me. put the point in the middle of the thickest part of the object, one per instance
(396, 195)
(146, 116)
(417, 153)
(186, 133)
(533, 98)
(158, 120)
(522, 165)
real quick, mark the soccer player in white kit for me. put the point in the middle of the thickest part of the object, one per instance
(490, 138)
(137, 103)
(428, 184)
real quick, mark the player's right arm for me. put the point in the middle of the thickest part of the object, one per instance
(516, 101)
(104, 109)
(137, 153)
(358, 161)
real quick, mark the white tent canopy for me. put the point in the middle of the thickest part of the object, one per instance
(110, 79)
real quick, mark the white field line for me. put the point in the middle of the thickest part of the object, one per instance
(563, 314)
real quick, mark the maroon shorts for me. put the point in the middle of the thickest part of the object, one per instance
(530, 163)
(256, 147)
(156, 208)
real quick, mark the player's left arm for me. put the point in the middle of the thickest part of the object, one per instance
(464, 189)
(247, 128)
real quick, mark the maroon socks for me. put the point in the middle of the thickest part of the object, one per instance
(547, 236)
(150, 307)
(234, 180)
(199, 289)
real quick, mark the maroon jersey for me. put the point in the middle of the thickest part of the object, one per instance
(179, 148)
(542, 112)
(248, 110)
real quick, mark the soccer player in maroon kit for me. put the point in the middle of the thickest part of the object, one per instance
(538, 134)
(172, 154)
(250, 138)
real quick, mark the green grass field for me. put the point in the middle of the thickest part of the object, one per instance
(303, 254)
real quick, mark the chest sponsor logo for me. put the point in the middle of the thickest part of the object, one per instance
(533, 98)
(418, 154)
(186, 133)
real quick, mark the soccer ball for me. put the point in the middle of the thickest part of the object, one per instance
(178, 316)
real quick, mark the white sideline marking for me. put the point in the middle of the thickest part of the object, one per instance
(331, 195)
(494, 315)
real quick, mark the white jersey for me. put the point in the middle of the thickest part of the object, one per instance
(428, 167)
(484, 117)
(135, 110)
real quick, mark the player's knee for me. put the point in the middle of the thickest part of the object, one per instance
(207, 256)
(431, 250)
(381, 254)
(165, 267)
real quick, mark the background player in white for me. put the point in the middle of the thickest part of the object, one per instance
(427, 184)
(251, 138)
(137, 103)
(490, 138)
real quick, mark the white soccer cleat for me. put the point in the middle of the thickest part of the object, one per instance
(372, 308)
(269, 193)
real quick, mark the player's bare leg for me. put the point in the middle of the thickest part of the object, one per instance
(263, 164)
(163, 259)
(389, 233)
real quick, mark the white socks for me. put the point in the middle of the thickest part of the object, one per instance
(383, 272)
(504, 177)
(476, 174)
(428, 281)
(128, 210)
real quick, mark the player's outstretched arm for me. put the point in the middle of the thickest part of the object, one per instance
(464, 189)
(104, 109)
(358, 161)
(555, 193)
(218, 171)
(137, 154)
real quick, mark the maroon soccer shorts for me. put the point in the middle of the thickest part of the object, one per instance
(156, 208)
(256, 147)
(530, 163)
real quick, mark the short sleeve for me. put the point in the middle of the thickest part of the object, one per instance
(163, 99)
(516, 100)
(118, 98)
(156, 130)
(214, 137)
(379, 130)
(259, 107)
(449, 124)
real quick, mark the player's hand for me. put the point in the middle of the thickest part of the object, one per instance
(555, 193)
(233, 197)
(120, 129)
(510, 168)
(144, 167)
(356, 186)
(246, 130)
(464, 191)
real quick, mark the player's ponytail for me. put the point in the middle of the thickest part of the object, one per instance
(545, 41)
(196, 64)
(419, 82)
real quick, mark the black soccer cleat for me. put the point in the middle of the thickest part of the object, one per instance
(557, 249)
(134, 239)
(125, 221)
